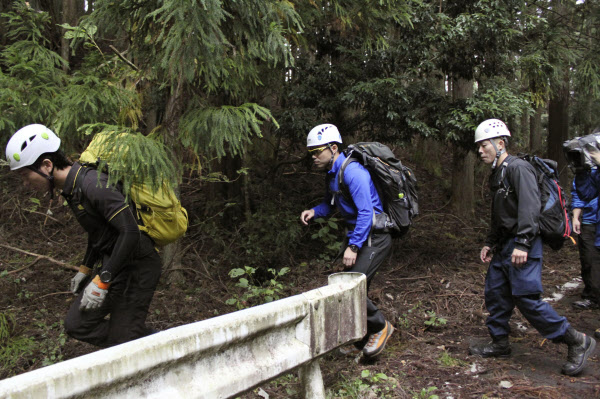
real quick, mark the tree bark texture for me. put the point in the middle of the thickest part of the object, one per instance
(535, 132)
(69, 16)
(463, 163)
(558, 125)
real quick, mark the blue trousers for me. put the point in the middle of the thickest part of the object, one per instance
(507, 286)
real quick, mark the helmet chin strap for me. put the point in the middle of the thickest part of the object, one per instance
(50, 179)
(330, 164)
(498, 153)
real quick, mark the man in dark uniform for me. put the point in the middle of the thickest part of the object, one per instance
(124, 284)
(366, 249)
(514, 276)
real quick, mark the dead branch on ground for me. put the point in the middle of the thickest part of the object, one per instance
(38, 258)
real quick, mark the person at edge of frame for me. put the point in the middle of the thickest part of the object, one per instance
(585, 218)
(124, 283)
(587, 184)
(514, 249)
(364, 250)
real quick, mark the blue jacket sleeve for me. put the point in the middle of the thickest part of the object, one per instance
(576, 202)
(587, 185)
(324, 208)
(358, 183)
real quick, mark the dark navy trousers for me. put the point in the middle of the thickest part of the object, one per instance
(507, 286)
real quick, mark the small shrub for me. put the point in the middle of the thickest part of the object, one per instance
(255, 292)
(434, 320)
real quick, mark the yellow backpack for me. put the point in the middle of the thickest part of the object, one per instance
(163, 217)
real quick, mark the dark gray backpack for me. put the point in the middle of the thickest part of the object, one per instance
(396, 184)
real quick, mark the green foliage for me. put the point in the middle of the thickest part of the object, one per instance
(378, 384)
(328, 233)
(448, 361)
(36, 88)
(53, 339)
(222, 129)
(13, 348)
(133, 158)
(495, 100)
(404, 321)
(426, 393)
(434, 320)
(255, 292)
(30, 75)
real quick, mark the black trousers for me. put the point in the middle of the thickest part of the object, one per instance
(367, 262)
(589, 255)
(127, 302)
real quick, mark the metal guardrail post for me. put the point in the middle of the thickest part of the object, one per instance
(312, 380)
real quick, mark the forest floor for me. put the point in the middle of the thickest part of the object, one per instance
(433, 275)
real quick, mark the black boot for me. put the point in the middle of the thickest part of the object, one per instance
(580, 348)
(499, 347)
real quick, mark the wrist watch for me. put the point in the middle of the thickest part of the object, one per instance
(353, 248)
(105, 276)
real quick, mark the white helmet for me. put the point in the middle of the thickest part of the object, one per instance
(323, 134)
(490, 129)
(28, 143)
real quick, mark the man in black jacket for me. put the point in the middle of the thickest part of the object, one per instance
(130, 268)
(514, 276)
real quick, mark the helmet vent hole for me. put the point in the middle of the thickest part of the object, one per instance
(31, 138)
(23, 146)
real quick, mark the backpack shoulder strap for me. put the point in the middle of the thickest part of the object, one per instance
(343, 189)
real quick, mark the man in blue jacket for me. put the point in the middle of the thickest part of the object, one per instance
(514, 249)
(366, 249)
(585, 218)
(587, 184)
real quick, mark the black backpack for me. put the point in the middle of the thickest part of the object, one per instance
(396, 185)
(555, 222)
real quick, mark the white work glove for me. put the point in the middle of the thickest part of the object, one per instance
(81, 275)
(93, 296)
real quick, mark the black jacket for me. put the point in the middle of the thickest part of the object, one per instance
(515, 204)
(102, 211)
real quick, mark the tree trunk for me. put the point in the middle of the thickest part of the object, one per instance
(69, 16)
(524, 129)
(535, 132)
(558, 125)
(171, 255)
(463, 163)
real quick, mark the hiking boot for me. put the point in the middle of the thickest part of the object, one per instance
(350, 350)
(585, 304)
(499, 347)
(580, 348)
(378, 340)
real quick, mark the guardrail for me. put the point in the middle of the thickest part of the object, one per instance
(216, 358)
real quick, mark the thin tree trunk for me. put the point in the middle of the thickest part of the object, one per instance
(463, 163)
(524, 128)
(69, 16)
(558, 125)
(171, 256)
(535, 132)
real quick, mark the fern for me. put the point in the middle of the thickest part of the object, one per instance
(222, 129)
